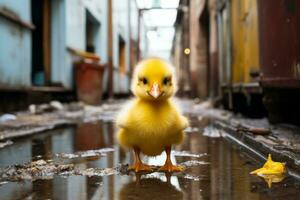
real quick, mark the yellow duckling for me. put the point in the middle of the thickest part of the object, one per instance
(151, 123)
(270, 168)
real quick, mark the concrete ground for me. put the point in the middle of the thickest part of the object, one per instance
(80, 158)
(257, 135)
(282, 141)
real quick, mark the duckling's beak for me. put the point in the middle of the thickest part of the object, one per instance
(155, 91)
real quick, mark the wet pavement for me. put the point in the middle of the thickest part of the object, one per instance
(84, 162)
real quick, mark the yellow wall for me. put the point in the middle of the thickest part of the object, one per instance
(245, 39)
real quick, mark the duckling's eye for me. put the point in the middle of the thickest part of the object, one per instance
(166, 80)
(144, 80)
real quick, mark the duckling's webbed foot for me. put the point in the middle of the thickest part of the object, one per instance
(171, 168)
(168, 166)
(138, 164)
(137, 167)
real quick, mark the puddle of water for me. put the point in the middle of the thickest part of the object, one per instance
(215, 170)
(211, 131)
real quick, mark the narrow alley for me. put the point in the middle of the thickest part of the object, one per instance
(68, 68)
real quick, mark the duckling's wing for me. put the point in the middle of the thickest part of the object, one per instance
(184, 122)
(123, 115)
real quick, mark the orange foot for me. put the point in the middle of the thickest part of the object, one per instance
(140, 167)
(169, 167)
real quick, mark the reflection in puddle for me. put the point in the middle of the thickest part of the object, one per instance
(214, 169)
(195, 178)
(151, 187)
(211, 131)
(273, 179)
(97, 172)
(85, 154)
(188, 154)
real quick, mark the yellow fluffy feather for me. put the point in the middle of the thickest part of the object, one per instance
(151, 123)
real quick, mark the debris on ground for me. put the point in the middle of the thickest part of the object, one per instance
(187, 154)
(6, 143)
(191, 129)
(85, 154)
(207, 110)
(194, 178)
(211, 131)
(255, 130)
(96, 172)
(7, 117)
(48, 116)
(55, 106)
(282, 140)
(193, 163)
(46, 169)
(40, 169)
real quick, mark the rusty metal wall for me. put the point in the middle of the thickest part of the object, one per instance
(280, 42)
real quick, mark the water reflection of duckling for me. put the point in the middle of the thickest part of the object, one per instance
(149, 188)
(270, 168)
(151, 122)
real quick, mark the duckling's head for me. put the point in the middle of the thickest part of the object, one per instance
(153, 79)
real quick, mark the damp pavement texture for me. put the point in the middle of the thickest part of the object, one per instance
(39, 118)
(256, 135)
(83, 161)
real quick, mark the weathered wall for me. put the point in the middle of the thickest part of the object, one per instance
(224, 44)
(124, 21)
(58, 44)
(279, 44)
(133, 12)
(213, 50)
(245, 39)
(198, 46)
(68, 21)
(75, 35)
(180, 42)
(68, 29)
(176, 58)
(15, 48)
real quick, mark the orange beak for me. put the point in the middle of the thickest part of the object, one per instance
(155, 91)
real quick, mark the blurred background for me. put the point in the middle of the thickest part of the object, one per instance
(245, 55)
(67, 64)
